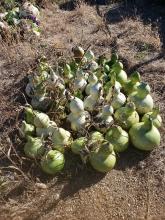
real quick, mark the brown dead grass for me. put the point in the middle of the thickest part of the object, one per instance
(135, 41)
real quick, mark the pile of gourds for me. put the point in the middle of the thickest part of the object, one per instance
(25, 17)
(90, 107)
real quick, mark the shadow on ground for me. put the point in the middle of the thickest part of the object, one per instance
(148, 11)
(71, 5)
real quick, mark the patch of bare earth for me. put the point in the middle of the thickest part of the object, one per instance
(135, 189)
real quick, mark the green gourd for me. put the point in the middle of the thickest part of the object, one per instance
(144, 135)
(104, 158)
(155, 116)
(142, 98)
(95, 137)
(78, 145)
(121, 75)
(52, 162)
(118, 138)
(29, 115)
(127, 116)
(61, 137)
(41, 120)
(26, 129)
(34, 147)
(132, 83)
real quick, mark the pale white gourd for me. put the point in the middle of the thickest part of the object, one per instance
(93, 66)
(76, 105)
(92, 79)
(79, 123)
(80, 81)
(96, 89)
(61, 137)
(105, 118)
(118, 99)
(90, 102)
(48, 131)
(41, 120)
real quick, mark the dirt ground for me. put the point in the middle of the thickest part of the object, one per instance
(135, 189)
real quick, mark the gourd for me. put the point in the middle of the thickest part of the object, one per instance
(26, 129)
(95, 138)
(127, 116)
(29, 115)
(144, 135)
(104, 158)
(78, 52)
(76, 105)
(78, 145)
(92, 79)
(41, 120)
(109, 85)
(77, 117)
(93, 66)
(78, 123)
(94, 97)
(118, 99)
(61, 137)
(52, 162)
(118, 138)
(142, 99)
(80, 82)
(155, 116)
(105, 118)
(34, 147)
(67, 72)
(121, 75)
(90, 102)
(132, 83)
(48, 131)
(107, 111)
(95, 89)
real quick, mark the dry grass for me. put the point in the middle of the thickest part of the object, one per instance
(135, 41)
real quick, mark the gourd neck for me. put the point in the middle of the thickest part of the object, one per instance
(135, 77)
(155, 112)
(116, 131)
(143, 90)
(148, 124)
(117, 67)
(142, 93)
(130, 108)
(92, 79)
(106, 148)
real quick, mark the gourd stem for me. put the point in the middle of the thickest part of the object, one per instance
(149, 124)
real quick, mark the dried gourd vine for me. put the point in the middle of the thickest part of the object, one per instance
(87, 106)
